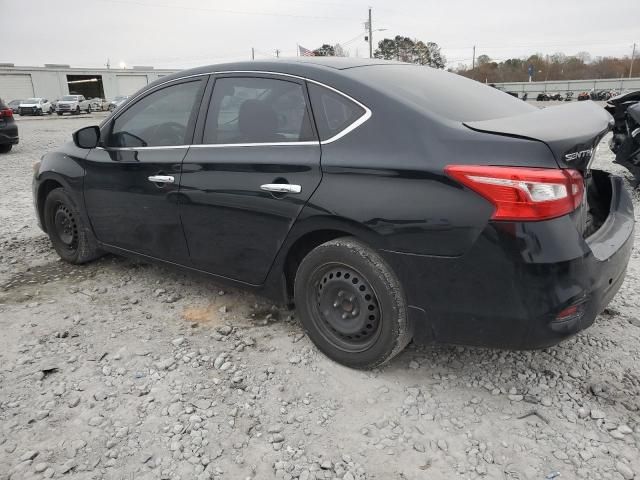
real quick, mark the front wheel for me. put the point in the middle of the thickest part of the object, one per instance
(351, 304)
(70, 235)
(6, 148)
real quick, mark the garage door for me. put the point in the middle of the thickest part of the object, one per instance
(130, 84)
(15, 86)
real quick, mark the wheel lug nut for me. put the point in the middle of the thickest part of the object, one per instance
(345, 315)
(336, 304)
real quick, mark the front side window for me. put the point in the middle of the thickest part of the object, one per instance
(162, 118)
(257, 110)
(333, 112)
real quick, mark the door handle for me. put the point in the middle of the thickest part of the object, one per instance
(161, 179)
(281, 188)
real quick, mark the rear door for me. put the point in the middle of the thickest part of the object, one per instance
(132, 181)
(243, 187)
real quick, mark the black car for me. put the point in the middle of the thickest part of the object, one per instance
(388, 201)
(8, 128)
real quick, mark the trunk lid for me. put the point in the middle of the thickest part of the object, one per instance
(572, 131)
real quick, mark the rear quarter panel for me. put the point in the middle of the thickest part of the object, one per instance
(388, 177)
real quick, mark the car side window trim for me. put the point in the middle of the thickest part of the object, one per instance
(349, 128)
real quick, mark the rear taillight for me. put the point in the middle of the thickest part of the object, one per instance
(523, 193)
(6, 113)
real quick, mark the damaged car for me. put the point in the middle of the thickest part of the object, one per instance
(386, 201)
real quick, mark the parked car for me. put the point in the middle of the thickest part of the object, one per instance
(98, 104)
(35, 106)
(117, 101)
(8, 128)
(14, 105)
(73, 104)
(443, 209)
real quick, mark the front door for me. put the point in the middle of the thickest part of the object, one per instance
(132, 181)
(243, 187)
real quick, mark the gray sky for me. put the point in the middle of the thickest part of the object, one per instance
(186, 33)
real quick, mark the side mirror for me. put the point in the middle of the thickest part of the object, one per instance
(87, 137)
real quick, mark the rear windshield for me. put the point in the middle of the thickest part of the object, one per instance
(445, 94)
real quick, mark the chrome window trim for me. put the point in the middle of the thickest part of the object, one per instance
(266, 144)
(362, 119)
(155, 147)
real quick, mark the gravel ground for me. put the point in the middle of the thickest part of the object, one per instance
(119, 369)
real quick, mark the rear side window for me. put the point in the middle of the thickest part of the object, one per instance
(333, 112)
(257, 110)
(159, 119)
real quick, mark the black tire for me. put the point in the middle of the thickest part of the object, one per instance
(6, 148)
(71, 237)
(59, 114)
(351, 304)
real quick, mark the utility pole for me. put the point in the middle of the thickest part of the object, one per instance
(370, 35)
(277, 53)
(473, 65)
(633, 54)
(253, 54)
(108, 64)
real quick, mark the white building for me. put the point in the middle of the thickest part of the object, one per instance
(54, 81)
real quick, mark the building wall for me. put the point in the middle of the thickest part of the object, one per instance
(576, 86)
(51, 83)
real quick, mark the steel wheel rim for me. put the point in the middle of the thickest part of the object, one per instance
(344, 307)
(65, 227)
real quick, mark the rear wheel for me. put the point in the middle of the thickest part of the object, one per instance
(6, 148)
(71, 237)
(351, 304)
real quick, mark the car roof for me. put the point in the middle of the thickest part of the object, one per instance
(305, 66)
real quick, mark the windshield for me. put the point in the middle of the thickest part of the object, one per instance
(32, 100)
(69, 98)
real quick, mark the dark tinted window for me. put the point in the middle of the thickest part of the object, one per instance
(333, 112)
(446, 94)
(159, 119)
(257, 110)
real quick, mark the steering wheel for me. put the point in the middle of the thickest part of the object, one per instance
(170, 133)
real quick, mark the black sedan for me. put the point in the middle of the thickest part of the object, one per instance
(388, 201)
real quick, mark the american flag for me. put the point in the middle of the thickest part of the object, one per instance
(304, 52)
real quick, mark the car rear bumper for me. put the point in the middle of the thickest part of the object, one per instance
(9, 134)
(509, 288)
